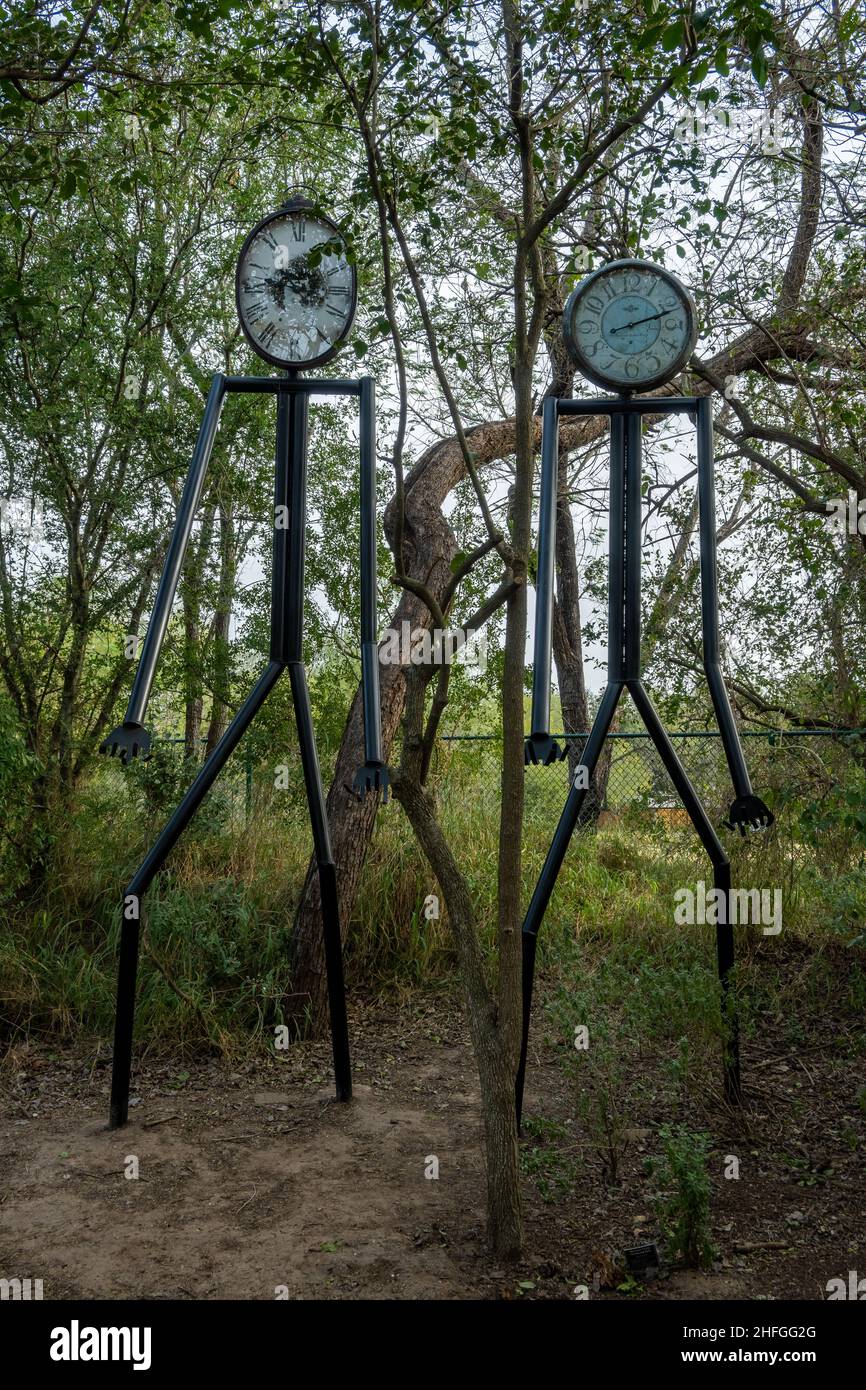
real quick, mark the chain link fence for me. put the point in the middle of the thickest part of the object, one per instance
(784, 766)
(797, 764)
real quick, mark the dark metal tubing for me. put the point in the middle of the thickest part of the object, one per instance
(282, 511)
(628, 405)
(135, 710)
(545, 568)
(177, 823)
(710, 602)
(545, 557)
(286, 649)
(553, 864)
(293, 638)
(292, 645)
(327, 881)
(616, 552)
(722, 871)
(369, 638)
(633, 540)
(292, 385)
(624, 633)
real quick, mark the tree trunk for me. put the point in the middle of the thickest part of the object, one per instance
(429, 546)
(495, 1069)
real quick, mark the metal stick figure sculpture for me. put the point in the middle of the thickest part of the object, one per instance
(296, 292)
(630, 324)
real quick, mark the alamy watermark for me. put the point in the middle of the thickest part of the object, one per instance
(761, 128)
(854, 1290)
(77, 1343)
(20, 1290)
(846, 515)
(421, 646)
(700, 906)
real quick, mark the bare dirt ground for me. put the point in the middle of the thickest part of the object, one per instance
(253, 1179)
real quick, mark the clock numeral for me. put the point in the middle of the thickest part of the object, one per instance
(632, 281)
(267, 333)
(595, 302)
(299, 228)
(607, 287)
(339, 289)
(656, 361)
(270, 240)
(587, 326)
(632, 368)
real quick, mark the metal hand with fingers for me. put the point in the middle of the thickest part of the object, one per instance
(748, 812)
(126, 742)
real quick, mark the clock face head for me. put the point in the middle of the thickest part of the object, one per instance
(294, 287)
(630, 326)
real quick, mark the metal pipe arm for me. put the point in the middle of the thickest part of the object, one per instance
(373, 776)
(540, 747)
(747, 810)
(131, 739)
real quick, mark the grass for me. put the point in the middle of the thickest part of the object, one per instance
(214, 966)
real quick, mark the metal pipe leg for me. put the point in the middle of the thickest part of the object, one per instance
(722, 877)
(327, 882)
(130, 924)
(553, 863)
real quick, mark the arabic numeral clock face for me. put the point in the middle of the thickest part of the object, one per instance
(295, 288)
(630, 326)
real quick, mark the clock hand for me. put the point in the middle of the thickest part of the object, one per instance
(648, 319)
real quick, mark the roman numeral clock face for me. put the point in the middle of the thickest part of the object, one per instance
(295, 288)
(630, 326)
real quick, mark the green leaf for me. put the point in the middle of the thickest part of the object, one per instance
(672, 36)
(759, 67)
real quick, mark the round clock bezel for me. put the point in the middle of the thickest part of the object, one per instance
(593, 373)
(281, 214)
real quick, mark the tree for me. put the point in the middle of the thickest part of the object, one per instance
(513, 122)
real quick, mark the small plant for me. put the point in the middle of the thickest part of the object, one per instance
(550, 1168)
(685, 1212)
(603, 1114)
